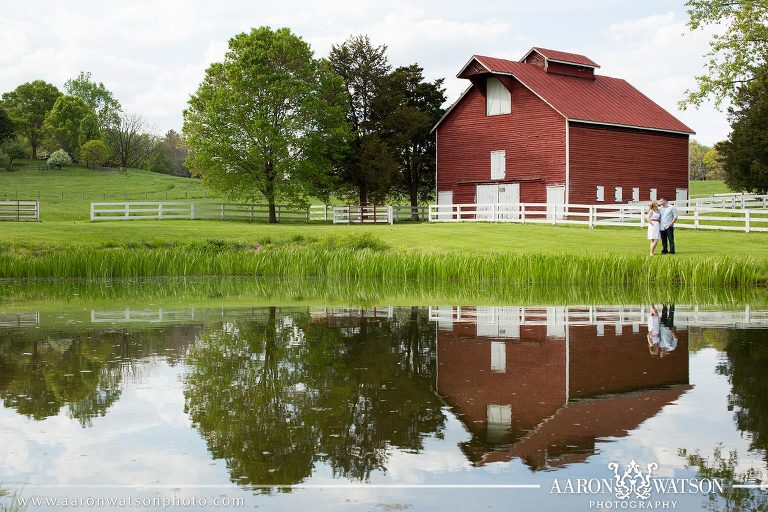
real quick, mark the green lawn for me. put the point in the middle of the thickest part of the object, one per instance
(461, 238)
(702, 187)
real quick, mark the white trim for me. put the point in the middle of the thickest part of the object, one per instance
(474, 57)
(567, 163)
(630, 126)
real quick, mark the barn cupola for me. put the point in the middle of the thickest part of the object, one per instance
(561, 63)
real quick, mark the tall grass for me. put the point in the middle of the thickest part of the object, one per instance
(380, 263)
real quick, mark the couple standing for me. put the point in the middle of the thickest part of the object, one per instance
(661, 225)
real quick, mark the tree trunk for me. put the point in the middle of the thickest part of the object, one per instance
(363, 195)
(34, 151)
(414, 193)
(272, 211)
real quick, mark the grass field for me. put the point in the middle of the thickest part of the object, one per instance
(65, 243)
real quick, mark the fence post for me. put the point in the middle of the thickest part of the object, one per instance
(522, 213)
(251, 213)
(192, 211)
(746, 220)
(93, 217)
(591, 217)
(126, 211)
(389, 213)
(160, 210)
(222, 211)
(696, 219)
(37, 211)
(458, 213)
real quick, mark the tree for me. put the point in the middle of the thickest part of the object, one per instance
(697, 170)
(6, 126)
(370, 168)
(745, 153)
(714, 164)
(27, 106)
(62, 123)
(412, 106)
(14, 149)
(59, 159)
(169, 155)
(128, 140)
(96, 96)
(89, 128)
(94, 153)
(734, 53)
(267, 122)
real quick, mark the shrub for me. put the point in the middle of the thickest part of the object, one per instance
(59, 159)
(14, 149)
(94, 153)
(5, 162)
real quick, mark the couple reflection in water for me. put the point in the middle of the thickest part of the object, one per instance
(662, 338)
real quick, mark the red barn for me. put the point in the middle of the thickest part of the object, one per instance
(547, 129)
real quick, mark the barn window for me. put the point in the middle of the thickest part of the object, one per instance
(635, 193)
(498, 357)
(653, 194)
(498, 164)
(600, 193)
(498, 99)
(617, 194)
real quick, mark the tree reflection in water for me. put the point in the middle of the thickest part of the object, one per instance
(276, 395)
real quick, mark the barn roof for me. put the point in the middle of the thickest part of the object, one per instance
(558, 56)
(603, 100)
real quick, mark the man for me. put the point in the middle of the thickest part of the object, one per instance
(667, 226)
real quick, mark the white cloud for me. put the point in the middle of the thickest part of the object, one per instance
(152, 54)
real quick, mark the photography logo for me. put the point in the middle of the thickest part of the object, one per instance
(634, 487)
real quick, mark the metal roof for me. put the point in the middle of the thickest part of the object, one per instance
(602, 100)
(558, 56)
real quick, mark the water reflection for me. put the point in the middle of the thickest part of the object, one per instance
(280, 393)
(79, 369)
(542, 384)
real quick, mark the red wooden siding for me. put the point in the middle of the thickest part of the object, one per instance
(616, 157)
(533, 136)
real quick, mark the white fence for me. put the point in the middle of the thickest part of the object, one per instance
(20, 211)
(363, 215)
(741, 219)
(221, 211)
(731, 201)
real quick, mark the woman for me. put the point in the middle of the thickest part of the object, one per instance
(654, 234)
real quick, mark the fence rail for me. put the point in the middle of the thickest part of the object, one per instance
(690, 217)
(182, 210)
(144, 210)
(363, 215)
(20, 211)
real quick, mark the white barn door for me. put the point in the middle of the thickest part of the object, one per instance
(509, 201)
(486, 196)
(444, 202)
(681, 197)
(555, 202)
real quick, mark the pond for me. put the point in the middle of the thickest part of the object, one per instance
(322, 407)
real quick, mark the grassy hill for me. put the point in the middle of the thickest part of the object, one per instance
(66, 194)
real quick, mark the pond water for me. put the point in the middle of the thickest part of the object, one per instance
(566, 407)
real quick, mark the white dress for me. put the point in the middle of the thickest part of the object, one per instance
(653, 227)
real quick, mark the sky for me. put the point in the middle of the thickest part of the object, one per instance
(152, 54)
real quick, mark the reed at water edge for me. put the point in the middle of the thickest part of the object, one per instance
(386, 264)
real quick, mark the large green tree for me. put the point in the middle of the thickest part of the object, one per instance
(736, 50)
(129, 141)
(697, 169)
(96, 96)
(745, 153)
(62, 124)
(267, 122)
(169, 155)
(370, 168)
(27, 106)
(411, 107)
(6, 126)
